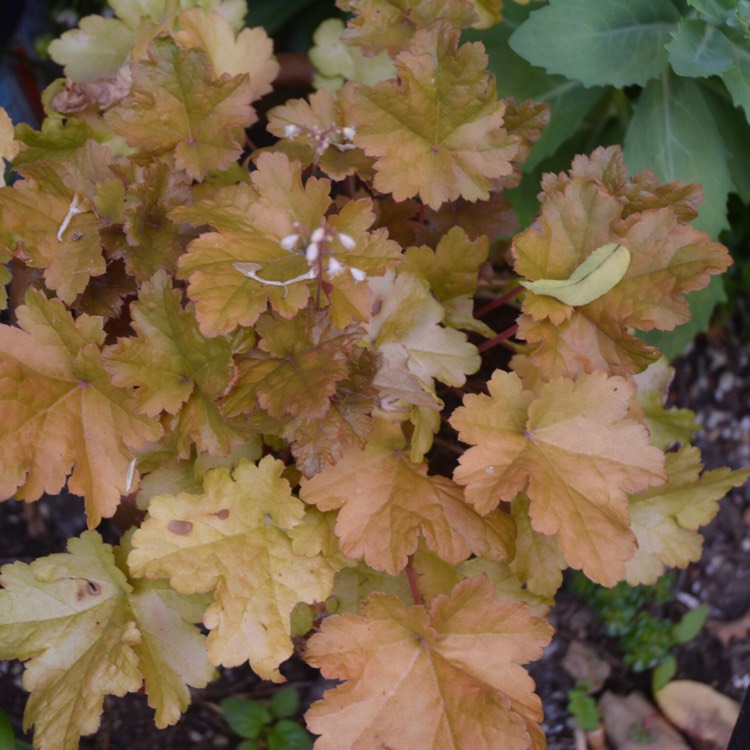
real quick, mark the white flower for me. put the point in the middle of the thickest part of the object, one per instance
(318, 235)
(289, 241)
(349, 132)
(357, 273)
(312, 252)
(334, 267)
(347, 241)
(291, 131)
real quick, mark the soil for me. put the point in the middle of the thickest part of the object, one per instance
(713, 379)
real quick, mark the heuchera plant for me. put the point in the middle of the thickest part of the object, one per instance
(259, 353)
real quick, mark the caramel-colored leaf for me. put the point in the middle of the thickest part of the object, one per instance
(573, 451)
(447, 677)
(668, 258)
(444, 113)
(205, 116)
(666, 519)
(175, 369)
(250, 52)
(61, 412)
(387, 503)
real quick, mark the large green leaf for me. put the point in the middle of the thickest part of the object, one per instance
(569, 100)
(674, 133)
(737, 78)
(699, 49)
(733, 128)
(618, 42)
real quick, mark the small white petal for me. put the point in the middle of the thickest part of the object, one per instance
(349, 132)
(290, 131)
(357, 273)
(129, 476)
(334, 267)
(312, 252)
(318, 235)
(289, 241)
(347, 241)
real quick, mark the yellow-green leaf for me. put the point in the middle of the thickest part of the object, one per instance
(87, 631)
(237, 537)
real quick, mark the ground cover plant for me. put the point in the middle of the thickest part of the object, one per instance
(274, 354)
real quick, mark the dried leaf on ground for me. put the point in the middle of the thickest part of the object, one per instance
(621, 714)
(700, 711)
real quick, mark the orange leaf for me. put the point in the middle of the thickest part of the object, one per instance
(573, 451)
(444, 113)
(443, 678)
(206, 116)
(61, 412)
(592, 207)
(387, 501)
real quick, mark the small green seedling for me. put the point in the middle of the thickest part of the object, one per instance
(582, 706)
(267, 727)
(645, 639)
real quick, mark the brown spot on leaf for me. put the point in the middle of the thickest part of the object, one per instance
(180, 527)
(223, 514)
(87, 588)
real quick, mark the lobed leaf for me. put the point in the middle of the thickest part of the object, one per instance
(444, 113)
(454, 665)
(206, 115)
(87, 631)
(237, 538)
(666, 519)
(62, 412)
(573, 451)
(387, 502)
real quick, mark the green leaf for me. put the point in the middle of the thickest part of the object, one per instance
(7, 735)
(583, 707)
(699, 49)
(690, 625)
(288, 735)
(569, 101)
(246, 717)
(285, 703)
(617, 42)
(733, 129)
(663, 673)
(598, 274)
(248, 745)
(714, 9)
(737, 77)
(674, 133)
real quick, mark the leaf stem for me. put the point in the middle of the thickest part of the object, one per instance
(411, 574)
(499, 339)
(499, 302)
